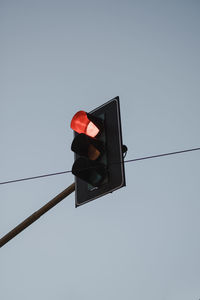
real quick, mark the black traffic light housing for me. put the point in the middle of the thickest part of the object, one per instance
(99, 165)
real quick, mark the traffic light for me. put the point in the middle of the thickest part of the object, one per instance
(98, 148)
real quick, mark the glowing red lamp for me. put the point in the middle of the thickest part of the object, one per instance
(82, 124)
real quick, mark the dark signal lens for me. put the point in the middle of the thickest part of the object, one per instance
(86, 146)
(89, 171)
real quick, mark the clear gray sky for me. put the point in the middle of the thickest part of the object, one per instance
(57, 57)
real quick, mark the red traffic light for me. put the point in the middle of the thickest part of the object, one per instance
(98, 147)
(82, 124)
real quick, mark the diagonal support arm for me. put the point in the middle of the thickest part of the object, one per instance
(36, 215)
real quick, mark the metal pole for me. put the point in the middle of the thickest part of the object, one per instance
(36, 215)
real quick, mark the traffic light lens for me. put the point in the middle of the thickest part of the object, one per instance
(92, 130)
(81, 124)
(93, 153)
(88, 170)
(84, 145)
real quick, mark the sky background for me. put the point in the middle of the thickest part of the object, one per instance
(57, 57)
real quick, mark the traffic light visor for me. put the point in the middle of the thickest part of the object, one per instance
(81, 124)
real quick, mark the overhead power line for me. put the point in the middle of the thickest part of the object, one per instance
(126, 161)
(163, 154)
(35, 177)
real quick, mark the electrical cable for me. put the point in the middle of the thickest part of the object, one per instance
(160, 155)
(126, 161)
(35, 177)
